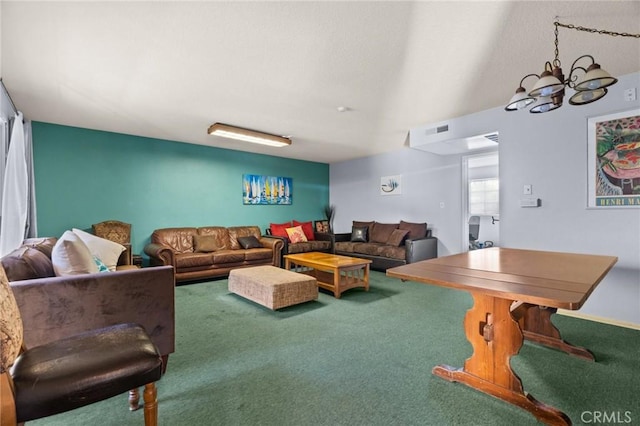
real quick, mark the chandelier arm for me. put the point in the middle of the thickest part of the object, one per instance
(573, 78)
(527, 76)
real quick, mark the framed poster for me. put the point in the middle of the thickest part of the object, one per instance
(613, 143)
(257, 189)
(391, 185)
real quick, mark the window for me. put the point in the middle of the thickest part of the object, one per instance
(484, 196)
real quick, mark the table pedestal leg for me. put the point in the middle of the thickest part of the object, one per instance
(536, 325)
(496, 337)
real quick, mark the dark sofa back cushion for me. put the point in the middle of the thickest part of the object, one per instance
(27, 263)
(381, 232)
(416, 230)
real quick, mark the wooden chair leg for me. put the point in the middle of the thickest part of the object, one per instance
(134, 399)
(7, 401)
(150, 405)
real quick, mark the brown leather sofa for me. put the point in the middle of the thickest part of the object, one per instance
(53, 307)
(211, 251)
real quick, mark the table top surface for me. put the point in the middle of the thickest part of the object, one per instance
(554, 279)
(326, 259)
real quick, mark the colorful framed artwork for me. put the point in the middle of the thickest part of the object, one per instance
(614, 160)
(391, 185)
(258, 189)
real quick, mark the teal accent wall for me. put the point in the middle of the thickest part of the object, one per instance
(86, 176)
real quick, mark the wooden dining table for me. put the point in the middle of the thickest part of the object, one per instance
(515, 293)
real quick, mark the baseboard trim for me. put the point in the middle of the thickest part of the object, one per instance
(595, 318)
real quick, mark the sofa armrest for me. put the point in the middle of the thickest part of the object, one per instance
(160, 255)
(57, 307)
(421, 249)
(342, 237)
(276, 244)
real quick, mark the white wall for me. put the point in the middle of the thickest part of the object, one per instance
(548, 151)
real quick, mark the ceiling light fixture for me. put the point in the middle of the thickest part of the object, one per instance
(247, 135)
(547, 93)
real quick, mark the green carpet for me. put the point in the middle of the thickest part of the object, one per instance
(364, 359)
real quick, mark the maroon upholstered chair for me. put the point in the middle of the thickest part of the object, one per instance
(72, 372)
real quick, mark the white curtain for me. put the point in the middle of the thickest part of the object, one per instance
(15, 191)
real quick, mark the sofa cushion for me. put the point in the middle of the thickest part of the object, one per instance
(380, 232)
(392, 252)
(241, 231)
(205, 243)
(27, 263)
(280, 229)
(192, 260)
(416, 230)
(296, 235)
(397, 237)
(315, 245)
(345, 246)
(372, 249)
(180, 240)
(11, 329)
(258, 254)
(107, 251)
(307, 228)
(223, 257)
(249, 242)
(71, 256)
(359, 234)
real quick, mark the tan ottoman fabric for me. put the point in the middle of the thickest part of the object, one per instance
(272, 287)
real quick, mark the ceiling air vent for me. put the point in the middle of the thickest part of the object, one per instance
(437, 130)
(492, 137)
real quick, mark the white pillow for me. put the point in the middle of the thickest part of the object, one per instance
(70, 256)
(107, 251)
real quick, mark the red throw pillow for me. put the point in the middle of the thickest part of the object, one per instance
(280, 229)
(307, 228)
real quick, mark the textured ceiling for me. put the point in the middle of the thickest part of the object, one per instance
(168, 70)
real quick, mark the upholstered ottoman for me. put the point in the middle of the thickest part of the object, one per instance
(272, 287)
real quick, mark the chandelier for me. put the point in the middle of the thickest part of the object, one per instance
(547, 93)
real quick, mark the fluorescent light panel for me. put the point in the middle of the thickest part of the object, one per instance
(247, 135)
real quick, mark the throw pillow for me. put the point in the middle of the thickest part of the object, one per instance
(307, 228)
(27, 263)
(359, 234)
(71, 256)
(101, 266)
(416, 230)
(249, 242)
(280, 229)
(107, 251)
(11, 330)
(296, 235)
(397, 237)
(205, 243)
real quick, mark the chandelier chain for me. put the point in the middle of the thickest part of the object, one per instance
(594, 30)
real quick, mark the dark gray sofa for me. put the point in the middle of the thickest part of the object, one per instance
(387, 244)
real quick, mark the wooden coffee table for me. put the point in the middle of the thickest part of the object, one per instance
(334, 273)
(515, 293)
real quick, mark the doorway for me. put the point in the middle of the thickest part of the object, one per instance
(481, 200)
